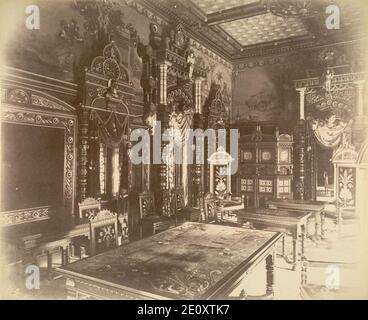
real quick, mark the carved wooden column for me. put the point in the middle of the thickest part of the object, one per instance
(301, 103)
(197, 94)
(163, 198)
(299, 157)
(83, 152)
(115, 172)
(197, 191)
(198, 178)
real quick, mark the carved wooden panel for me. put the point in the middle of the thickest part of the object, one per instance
(346, 187)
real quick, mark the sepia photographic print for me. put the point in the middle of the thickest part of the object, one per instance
(183, 150)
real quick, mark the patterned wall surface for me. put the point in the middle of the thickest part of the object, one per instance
(264, 28)
(263, 88)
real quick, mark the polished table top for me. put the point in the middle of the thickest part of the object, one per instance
(275, 215)
(186, 262)
(298, 204)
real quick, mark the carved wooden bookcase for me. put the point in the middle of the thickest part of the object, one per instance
(266, 167)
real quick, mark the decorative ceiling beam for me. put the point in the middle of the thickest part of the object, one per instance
(248, 10)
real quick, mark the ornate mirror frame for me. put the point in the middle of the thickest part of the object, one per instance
(25, 106)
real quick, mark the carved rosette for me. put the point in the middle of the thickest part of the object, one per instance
(109, 64)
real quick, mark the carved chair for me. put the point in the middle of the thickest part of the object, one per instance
(150, 222)
(210, 207)
(89, 208)
(103, 231)
(182, 212)
(146, 204)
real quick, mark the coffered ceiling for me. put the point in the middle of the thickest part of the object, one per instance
(237, 29)
(211, 6)
(263, 28)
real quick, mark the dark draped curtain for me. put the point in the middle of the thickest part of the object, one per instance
(112, 129)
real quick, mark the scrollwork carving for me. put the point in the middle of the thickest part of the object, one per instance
(25, 215)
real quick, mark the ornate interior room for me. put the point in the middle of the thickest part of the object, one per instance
(287, 76)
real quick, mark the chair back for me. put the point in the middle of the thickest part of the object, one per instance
(146, 204)
(179, 203)
(210, 212)
(88, 208)
(103, 231)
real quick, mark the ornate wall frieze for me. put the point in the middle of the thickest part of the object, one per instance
(14, 217)
(337, 80)
(21, 96)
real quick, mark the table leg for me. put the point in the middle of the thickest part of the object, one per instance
(294, 252)
(49, 262)
(295, 249)
(283, 246)
(307, 228)
(317, 217)
(270, 264)
(304, 234)
(309, 222)
(323, 225)
(64, 255)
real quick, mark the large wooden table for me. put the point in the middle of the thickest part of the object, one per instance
(293, 222)
(315, 207)
(191, 261)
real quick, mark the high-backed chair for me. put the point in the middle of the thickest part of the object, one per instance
(182, 212)
(146, 204)
(150, 222)
(209, 204)
(88, 208)
(103, 231)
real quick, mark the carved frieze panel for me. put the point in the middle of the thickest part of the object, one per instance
(23, 96)
(25, 215)
(346, 187)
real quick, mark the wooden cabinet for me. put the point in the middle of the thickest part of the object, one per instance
(266, 168)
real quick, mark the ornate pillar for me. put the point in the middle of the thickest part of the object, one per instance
(197, 95)
(115, 172)
(300, 160)
(299, 173)
(163, 82)
(198, 178)
(301, 102)
(163, 200)
(83, 151)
